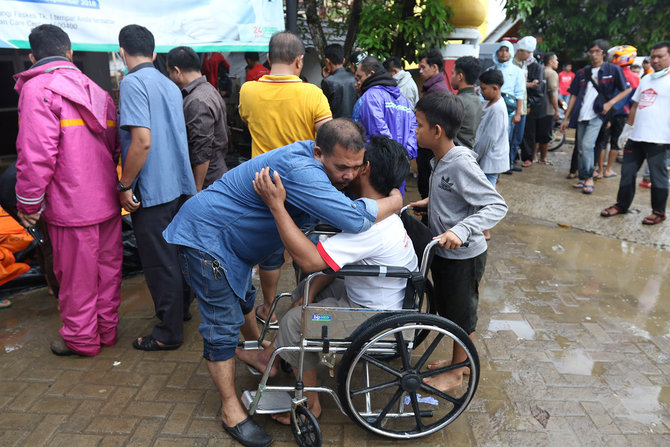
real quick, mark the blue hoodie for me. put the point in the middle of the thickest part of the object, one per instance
(515, 80)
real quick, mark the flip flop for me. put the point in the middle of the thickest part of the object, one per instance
(273, 324)
(579, 185)
(613, 174)
(149, 343)
(527, 164)
(588, 189)
(5, 304)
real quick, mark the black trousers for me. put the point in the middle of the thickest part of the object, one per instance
(574, 160)
(160, 263)
(529, 137)
(634, 155)
(423, 158)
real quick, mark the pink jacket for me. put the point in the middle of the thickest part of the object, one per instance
(67, 146)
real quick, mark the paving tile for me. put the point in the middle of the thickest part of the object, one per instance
(145, 432)
(44, 430)
(75, 440)
(112, 424)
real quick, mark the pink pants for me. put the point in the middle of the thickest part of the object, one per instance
(87, 264)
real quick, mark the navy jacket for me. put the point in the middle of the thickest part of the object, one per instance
(611, 81)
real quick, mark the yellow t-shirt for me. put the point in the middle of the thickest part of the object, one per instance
(280, 110)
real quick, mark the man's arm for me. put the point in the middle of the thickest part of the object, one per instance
(566, 118)
(199, 174)
(137, 155)
(609, 104)
(301, 249)
(37, 150)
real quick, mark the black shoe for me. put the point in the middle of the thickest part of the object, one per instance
(516, 168)
(149, 343)
(249, 433)
(508, 172)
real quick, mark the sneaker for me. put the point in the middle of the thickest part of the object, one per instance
(645, 184)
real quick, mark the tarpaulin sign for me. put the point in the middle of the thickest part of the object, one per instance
(93, 25)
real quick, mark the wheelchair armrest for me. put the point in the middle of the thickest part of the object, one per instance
(320, 228)
(371, 270)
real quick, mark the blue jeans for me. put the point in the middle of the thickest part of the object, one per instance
(493, 178)
(273, 262)
(587, 132)
(515, 132)
(221, 310)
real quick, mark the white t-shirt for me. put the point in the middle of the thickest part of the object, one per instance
(385, 243)
(586, 112)
(652, 119)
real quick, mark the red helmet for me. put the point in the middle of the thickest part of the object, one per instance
(623, 55)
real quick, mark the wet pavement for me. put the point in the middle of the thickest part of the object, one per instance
(573, 320)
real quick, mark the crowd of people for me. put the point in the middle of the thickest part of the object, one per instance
(201, 228)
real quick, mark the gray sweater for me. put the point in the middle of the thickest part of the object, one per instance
(462, 200)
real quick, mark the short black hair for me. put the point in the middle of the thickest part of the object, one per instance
(136, 40)
(661, 44)
(492, 77)
(370, 64)
(183, 57)
(635, 66)
(389, 163)
(433, 57)
(600, 43)
(252, 56)
(392, 63)
(470, 67)
(285, 47)
(546, 57)
(356, 57)
(343, 131)
(442, 108)
(48, 40)
(335, 53)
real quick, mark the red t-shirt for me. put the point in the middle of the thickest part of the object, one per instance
(257, 72)
(564, 80)
(632, 78)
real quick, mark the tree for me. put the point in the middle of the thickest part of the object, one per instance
(402, 28)
(571, 24)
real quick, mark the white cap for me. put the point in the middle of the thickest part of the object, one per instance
(528, 43)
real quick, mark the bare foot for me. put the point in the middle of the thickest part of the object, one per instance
(285, 418)
(258, 359)
(445, 381)
(442, 363)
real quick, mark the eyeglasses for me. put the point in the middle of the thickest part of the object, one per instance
(598, 51)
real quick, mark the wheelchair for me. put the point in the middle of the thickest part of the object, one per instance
(380, 358)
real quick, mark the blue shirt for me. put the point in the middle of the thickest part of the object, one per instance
(149, 99)
(230, 222)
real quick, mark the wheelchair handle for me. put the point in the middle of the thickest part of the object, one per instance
(371, 270)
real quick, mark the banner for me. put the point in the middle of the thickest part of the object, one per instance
(94, 25)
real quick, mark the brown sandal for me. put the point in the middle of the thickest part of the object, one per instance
(653, 219)
(612, 211)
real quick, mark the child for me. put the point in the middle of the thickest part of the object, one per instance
(461, 204)
(492, 145)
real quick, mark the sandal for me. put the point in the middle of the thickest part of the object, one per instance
(149, 343)
(588, 189)
(274, 324)
(5, 304)
(654, 218)
(527, 164)
(579, 185)
(571, 175)
(612, 211)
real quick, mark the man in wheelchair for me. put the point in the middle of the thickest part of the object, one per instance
(386, 243)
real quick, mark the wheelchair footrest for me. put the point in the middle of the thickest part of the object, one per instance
(271, 401)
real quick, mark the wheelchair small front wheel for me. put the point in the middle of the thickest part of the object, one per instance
(305, 427)
(400, 396)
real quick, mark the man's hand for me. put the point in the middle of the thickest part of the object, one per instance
(564, 124)
(420, 204)
(28, 219)
(273, 194)
(449, 240)
(556, 117)
(127, 202)
(516, 118)
(606, 108)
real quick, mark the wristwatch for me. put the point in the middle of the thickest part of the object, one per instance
(121, 187)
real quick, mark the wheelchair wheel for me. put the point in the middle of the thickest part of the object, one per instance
(305, 428)
(389, 396)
